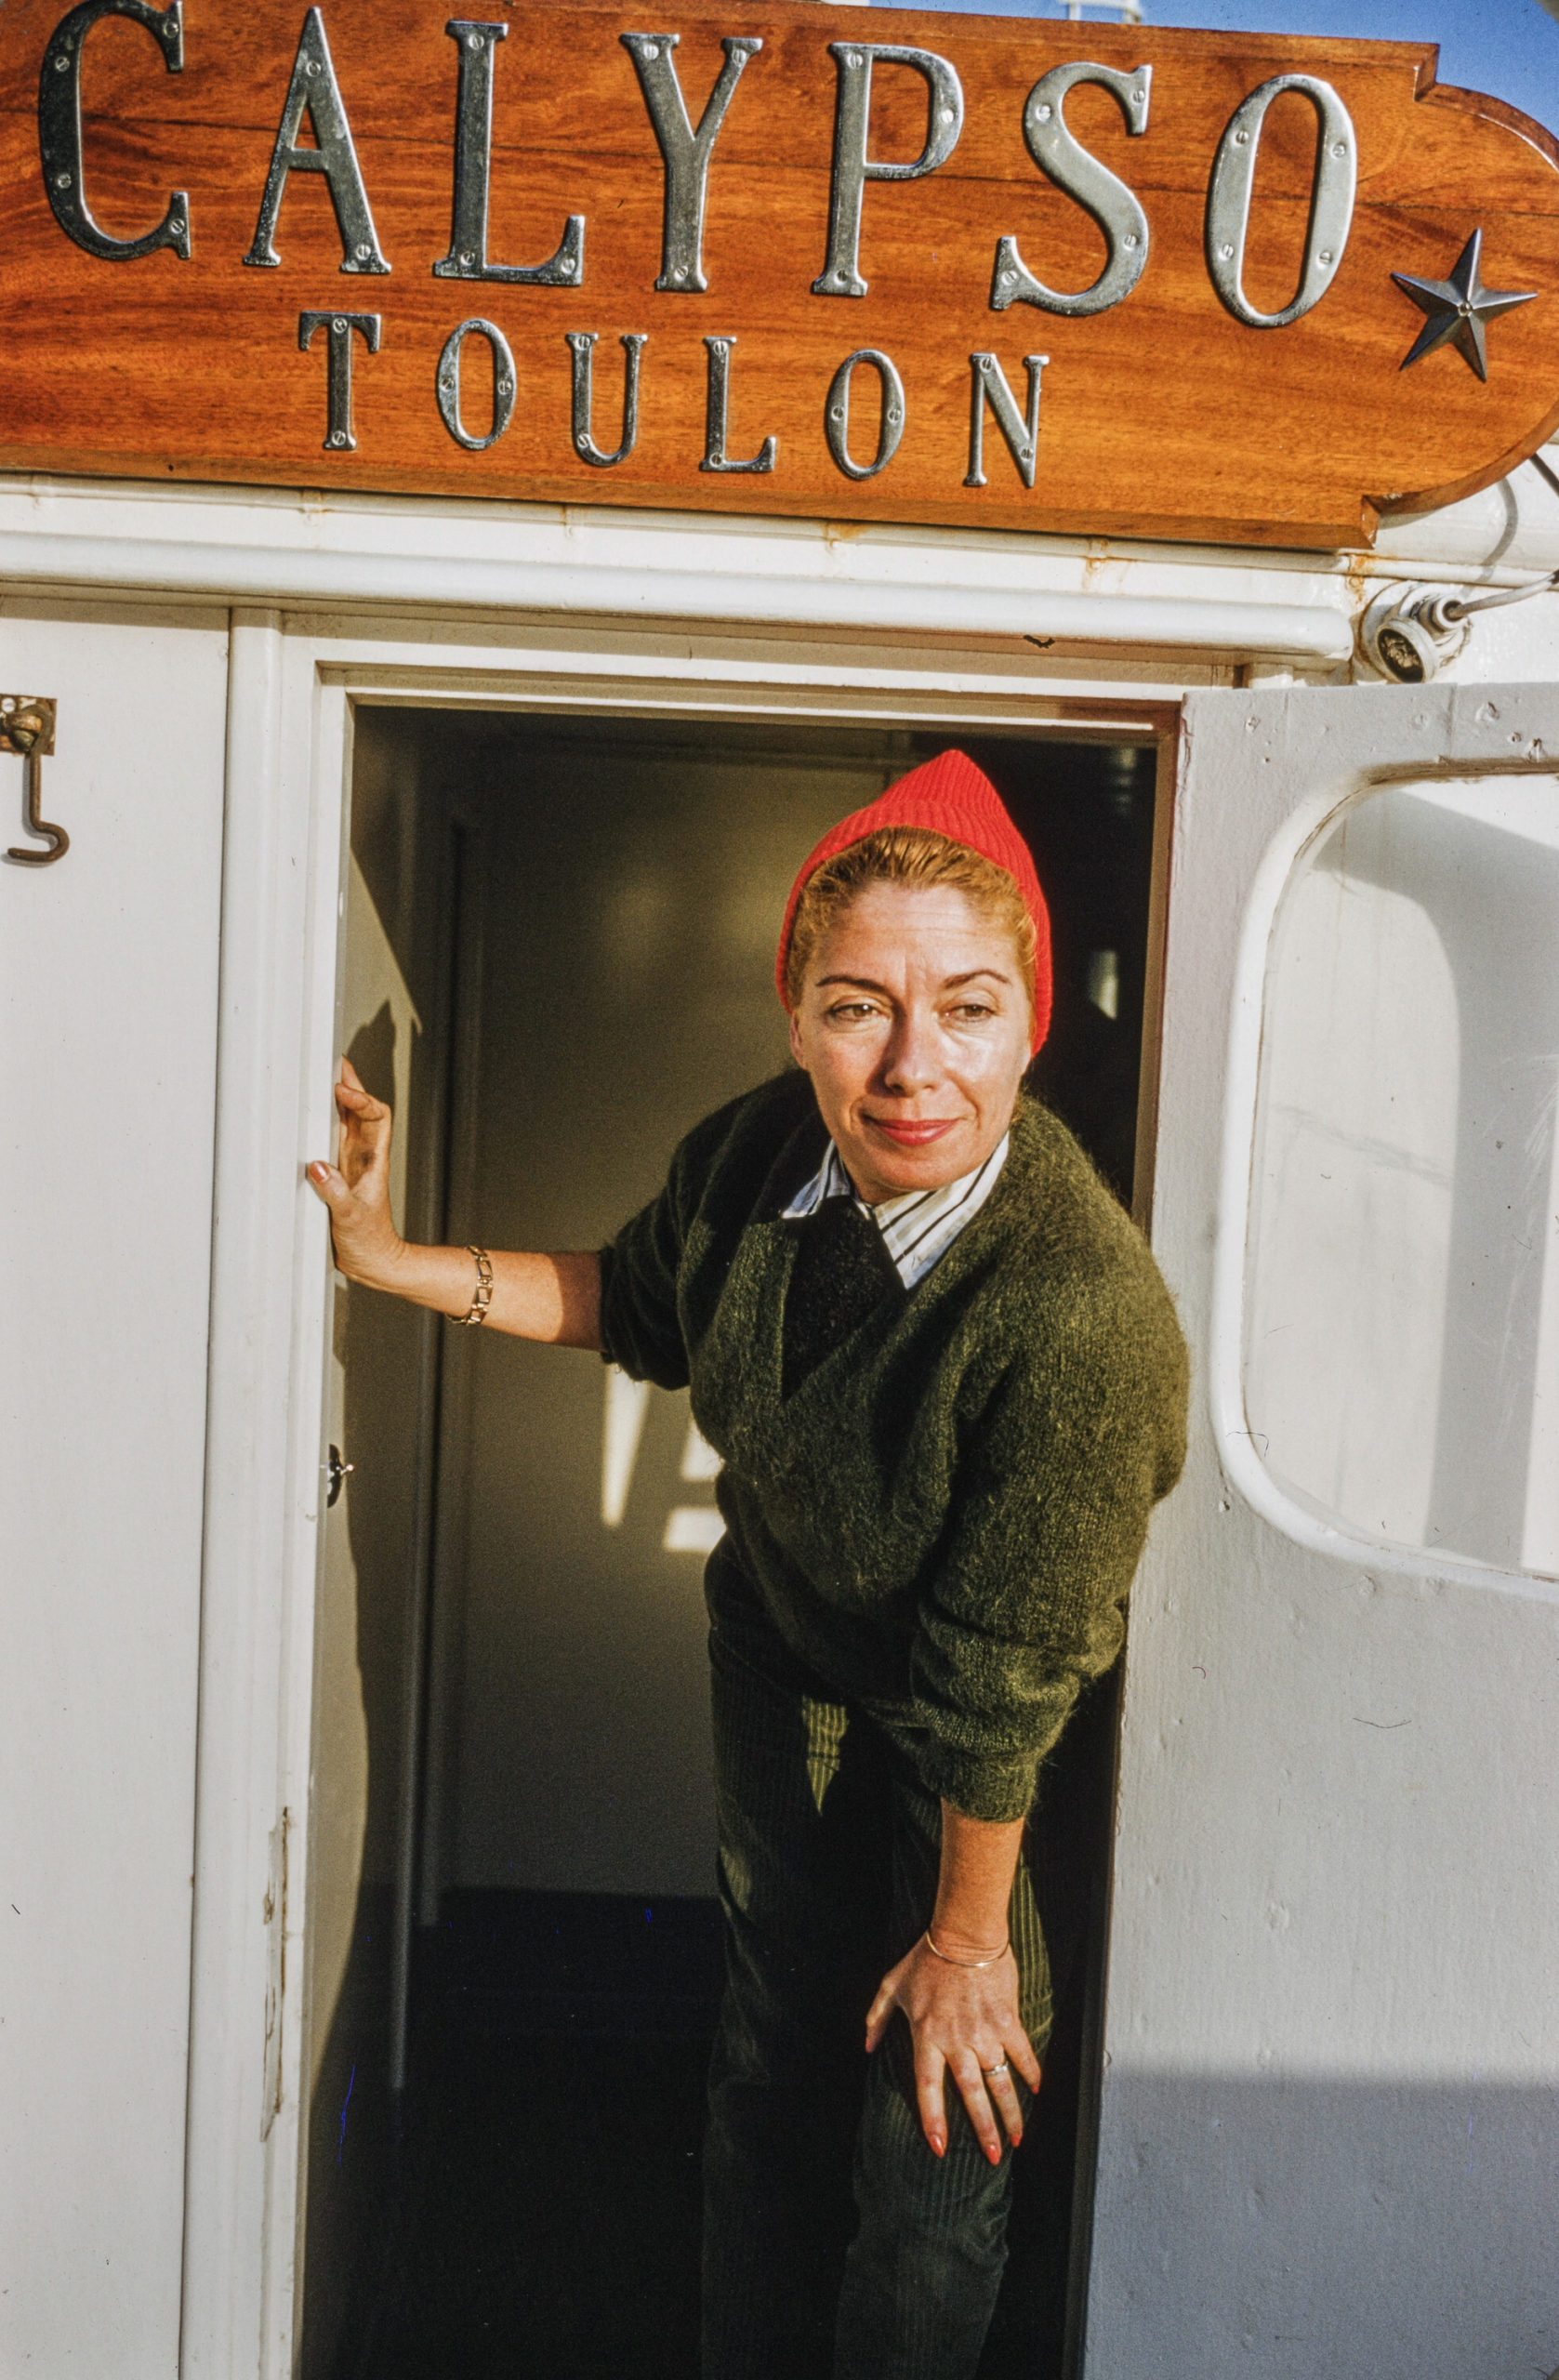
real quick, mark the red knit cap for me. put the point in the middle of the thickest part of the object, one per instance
(953, 798)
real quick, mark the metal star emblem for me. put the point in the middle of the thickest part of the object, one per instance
(1458, 309)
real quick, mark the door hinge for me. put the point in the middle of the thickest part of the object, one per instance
(275, 1970)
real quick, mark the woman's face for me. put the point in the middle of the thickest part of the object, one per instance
(914, 1025)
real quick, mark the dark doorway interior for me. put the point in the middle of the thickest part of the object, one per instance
(527, 2200)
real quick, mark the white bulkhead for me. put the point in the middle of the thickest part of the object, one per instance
(1331, 2037)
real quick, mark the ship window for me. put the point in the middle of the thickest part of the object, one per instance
(1401, 1349)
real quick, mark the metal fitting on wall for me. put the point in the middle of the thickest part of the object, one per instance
(1408, 633)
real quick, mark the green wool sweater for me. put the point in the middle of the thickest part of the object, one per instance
(943, 1515)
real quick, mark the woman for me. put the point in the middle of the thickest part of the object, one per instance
(946, 1385)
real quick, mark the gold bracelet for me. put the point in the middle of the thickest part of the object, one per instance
(481, 1297)
(967, 1963)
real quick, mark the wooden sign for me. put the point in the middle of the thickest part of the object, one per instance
(850, 263)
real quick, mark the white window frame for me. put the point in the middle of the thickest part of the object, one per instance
(1279, 865)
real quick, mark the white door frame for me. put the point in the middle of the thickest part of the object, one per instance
(294, 680)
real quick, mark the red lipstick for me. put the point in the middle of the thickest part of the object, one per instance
(913, 1135)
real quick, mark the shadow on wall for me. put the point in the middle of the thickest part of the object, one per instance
(1492, 897)
(1469, 874)
(1299, 2227)
(362, 1666)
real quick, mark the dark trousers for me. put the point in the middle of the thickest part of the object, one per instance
(828, 1855)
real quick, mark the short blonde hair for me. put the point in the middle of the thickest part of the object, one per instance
(906, 855)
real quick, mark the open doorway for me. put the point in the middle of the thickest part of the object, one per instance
(558, 953)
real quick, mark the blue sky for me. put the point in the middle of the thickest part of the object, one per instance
(1510, 47)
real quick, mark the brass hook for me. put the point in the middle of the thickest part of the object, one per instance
(27, 728)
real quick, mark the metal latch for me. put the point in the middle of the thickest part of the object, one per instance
(27, 728)
(337, 1473)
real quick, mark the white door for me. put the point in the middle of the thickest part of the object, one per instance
(108, 1071)
(1329, 2126)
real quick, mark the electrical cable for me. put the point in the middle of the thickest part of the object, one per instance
(1444, 612)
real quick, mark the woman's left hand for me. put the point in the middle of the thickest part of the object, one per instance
(963, 2021)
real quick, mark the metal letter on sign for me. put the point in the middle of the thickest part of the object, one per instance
(988, 386)
(745, 160)
(889, 429)
(1331, 202)
(716, 409)
(313, 88)
(339, 437)
(685, 154)
(1116, 209)
(466, 260)
(852, 168)
(503, 384)
(59, 129)
(580, 344)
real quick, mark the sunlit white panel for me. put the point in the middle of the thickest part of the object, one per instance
(1402, 1308)
(692, 1528)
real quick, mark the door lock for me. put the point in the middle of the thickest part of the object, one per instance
(27, 727)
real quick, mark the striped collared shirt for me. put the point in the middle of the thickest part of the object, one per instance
(919, 1227)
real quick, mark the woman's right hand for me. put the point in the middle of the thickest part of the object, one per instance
(356, 1188)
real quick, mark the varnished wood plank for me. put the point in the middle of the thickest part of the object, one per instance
(1164, 418)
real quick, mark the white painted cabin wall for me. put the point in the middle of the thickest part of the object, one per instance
(111, 963)
(108, 991)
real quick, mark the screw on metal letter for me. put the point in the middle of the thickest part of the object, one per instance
(1116, 209)
(890, 415)
(449, 384)
(59, 129)
(988, 385)
(716, 413)
(466, 260)
(685, 154)
(580, 346)
(852, 168)
(314, 90)
(1459, 308)
(340, 328)
(1232, 184)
